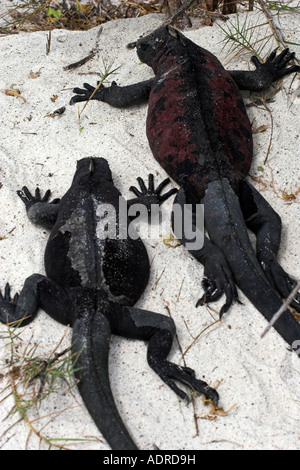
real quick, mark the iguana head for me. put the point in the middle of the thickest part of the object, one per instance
(162, 39)
(93, 165)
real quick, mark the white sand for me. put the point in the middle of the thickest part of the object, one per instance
(260, 376)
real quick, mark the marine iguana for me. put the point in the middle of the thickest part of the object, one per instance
(92, 282)
(198, 130)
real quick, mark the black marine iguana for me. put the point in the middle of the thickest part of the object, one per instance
(92, 283)
(199, 131)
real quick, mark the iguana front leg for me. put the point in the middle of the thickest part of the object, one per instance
(266, 72)
(150, 196)
(254, 80)
(159, 330)
(117, 96)
(39, 210)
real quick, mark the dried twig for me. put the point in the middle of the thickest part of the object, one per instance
(90, 56)
(158, 279)
(80, 62)
(196, 338)
(48, 43)
(275, 29)
(183, 359)
(186, 5)
(282, 309)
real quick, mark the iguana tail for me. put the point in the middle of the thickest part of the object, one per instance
(91, 338)
(225, 224)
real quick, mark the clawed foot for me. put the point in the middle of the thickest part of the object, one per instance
(29, 200)
(88, 92)
(39, 210)
(7, 297)
(7, 305)
(170, 372)
(275, 67)
(150, 195)
(282, 282)
(218, 280)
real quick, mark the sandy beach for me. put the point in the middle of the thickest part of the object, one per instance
(259, 376)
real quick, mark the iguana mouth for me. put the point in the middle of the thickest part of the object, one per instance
(91, 167)
(131, 45)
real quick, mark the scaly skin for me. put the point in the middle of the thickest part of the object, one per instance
(92, 282)
(199, 131)
(200, 135)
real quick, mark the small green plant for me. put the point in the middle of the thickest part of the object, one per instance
(52, 12)
(108, 71)
(254, 38)
(30, 379)
(251, 38)
(246, 36)
(22, 11)
(285, 7)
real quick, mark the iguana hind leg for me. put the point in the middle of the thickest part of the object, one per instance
(38, 292)
(218, 278)
(265, 223)
(159, 330)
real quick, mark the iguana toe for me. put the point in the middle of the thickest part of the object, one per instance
(282, 282)
(223, 283)
(170, 372)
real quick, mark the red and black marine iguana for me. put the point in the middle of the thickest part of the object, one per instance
(199, 131)
(92, 282)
